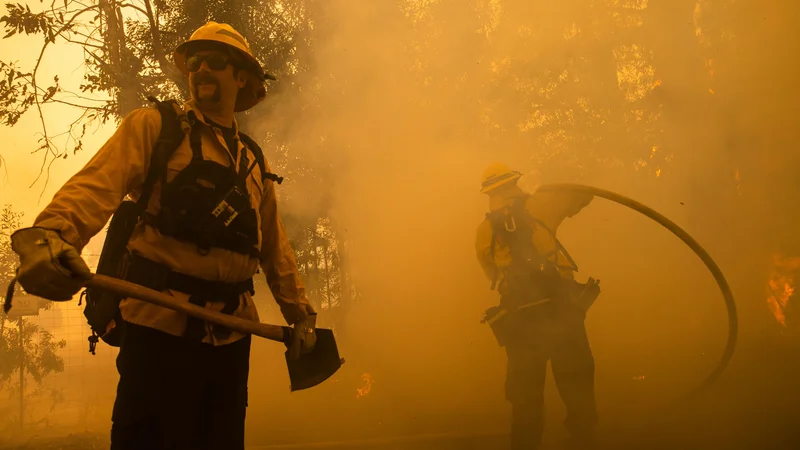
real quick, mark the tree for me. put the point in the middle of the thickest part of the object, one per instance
(10, 220)
(126, 47)
(570, 88)
(25, 351)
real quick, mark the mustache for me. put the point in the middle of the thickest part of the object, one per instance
(204, 78)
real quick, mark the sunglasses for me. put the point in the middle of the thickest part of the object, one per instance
(215, 61)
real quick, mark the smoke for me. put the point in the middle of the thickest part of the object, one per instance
(407, 102)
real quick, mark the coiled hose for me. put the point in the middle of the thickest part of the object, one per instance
(730, 305)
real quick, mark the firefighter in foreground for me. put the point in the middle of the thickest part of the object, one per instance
(183, 382)
(542, 308)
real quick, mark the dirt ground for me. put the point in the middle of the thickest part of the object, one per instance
(77, 441)
(754, 406)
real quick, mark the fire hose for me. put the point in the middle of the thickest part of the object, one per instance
(730, 305)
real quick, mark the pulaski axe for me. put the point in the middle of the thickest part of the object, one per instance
(305, 372)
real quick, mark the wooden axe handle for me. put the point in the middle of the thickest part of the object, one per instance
(128, 289)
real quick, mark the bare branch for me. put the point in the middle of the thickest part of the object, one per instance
(4, 165)
(47, 144)
(85, 44)
(168, 68)
(137, 8)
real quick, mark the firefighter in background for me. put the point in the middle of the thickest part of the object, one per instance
(183, 382)
(542, 308)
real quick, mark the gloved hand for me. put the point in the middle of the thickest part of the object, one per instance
(49, 267)
(303, 336)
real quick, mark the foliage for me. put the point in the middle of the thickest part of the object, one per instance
(10, 220)
(25, 346)
(126, 48)
(37, 352)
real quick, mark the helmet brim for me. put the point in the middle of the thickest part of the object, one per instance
(500, 183)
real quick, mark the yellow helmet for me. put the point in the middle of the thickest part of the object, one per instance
(496, 175)
(253, 92)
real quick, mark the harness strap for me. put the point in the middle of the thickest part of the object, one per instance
(244, 162)
(195, 143)
(496, 273)
(558, 245)
(152, 220)
(259, 155)
(519, 207)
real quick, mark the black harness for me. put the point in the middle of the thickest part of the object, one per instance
(207, 204)
(530, 271)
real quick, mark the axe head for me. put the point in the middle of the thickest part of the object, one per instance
(317, 366)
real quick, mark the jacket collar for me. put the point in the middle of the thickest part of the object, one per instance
(192, 106)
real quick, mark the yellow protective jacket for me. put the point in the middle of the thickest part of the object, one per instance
(551, 208)
(81, 208)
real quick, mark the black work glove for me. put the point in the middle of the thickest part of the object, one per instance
(49, 267)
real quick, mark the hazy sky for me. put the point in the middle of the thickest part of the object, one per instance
(18, 142)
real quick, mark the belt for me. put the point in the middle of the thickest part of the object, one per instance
(148, 273)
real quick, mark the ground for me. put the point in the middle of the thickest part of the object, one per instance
(752, 407)
(78, 441)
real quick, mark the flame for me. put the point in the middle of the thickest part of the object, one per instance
(364, 390)
(781, 285)
(639, 378)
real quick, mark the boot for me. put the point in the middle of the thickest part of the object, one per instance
(581, 440)
(527, 426)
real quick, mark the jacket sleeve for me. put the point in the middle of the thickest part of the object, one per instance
(483, 243)
(81, 208)
(553, 207)
(278, 261)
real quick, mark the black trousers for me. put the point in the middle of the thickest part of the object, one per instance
(560, 338)
(179, 394)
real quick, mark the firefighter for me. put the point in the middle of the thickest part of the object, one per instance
(542, 309)
(183, 382)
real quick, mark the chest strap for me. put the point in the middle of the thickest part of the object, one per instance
(243, 248)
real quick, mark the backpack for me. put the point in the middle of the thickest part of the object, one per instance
(102, 307)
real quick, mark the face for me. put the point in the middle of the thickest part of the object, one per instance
(213, 81)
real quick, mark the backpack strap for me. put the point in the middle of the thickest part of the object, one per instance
(558, 245)
(499, 226)
(496, 273)
(174, 127)
(259, 154)
(520, 206)
(499, 221)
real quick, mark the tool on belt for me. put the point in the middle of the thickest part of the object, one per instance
(504, 319)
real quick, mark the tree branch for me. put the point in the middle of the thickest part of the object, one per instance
(46, 144)
(137, 8)
(167, 68)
